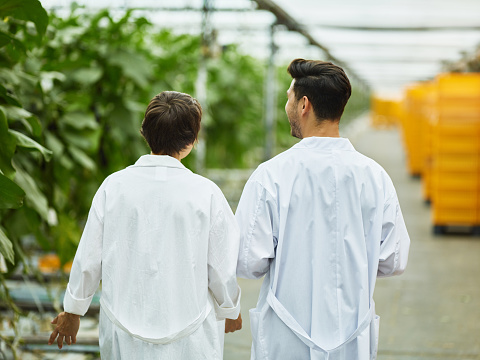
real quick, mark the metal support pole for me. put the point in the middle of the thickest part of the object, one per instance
(201, 84)
(201, 95)
(270, 99)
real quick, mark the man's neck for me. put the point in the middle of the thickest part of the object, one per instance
(326, 128)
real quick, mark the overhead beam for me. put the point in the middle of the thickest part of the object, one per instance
(400, 28)
(285, 19)
(157, 8)
(396, 60)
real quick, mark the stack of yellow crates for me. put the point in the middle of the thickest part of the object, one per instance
(384, 112)
(417, 104)
(455, 139)
(410, 130)
(427, 111)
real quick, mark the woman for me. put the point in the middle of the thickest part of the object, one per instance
(164, 242)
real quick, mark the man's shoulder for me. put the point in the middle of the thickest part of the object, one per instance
(367, 161)
(375, 172)
(375, 167)
(277, 160)
(271, 166)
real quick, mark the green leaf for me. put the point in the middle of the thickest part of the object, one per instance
(16, 113)
(135, 106)
(66, 162)
(11, 195)
(26, 142)
(7, 150)
(34, 124)
(8, 98)
(34, 197)
(30, 121)
(6, 247)
(85, 139)
(87, 76)
(48, 78)
(134, 65)
(54, 143)
(80, 121)
(83, 159)
(29, 10)
(68, 35)
(67, 235)
(5, 39)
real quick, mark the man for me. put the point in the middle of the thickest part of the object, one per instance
(321, 222)
(164, 242)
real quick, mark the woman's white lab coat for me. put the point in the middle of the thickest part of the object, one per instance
(164, 242)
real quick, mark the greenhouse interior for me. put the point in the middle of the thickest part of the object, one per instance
(77, 76)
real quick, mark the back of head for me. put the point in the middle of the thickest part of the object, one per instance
(171, 123)
(324, 84)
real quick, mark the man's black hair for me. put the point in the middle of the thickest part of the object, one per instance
(324, 84)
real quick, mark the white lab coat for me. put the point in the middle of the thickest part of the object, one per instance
(164, 242)
(321, 221)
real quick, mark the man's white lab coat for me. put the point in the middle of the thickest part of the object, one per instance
(321, 221)
(164, 242)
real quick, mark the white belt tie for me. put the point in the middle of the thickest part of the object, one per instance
(189, 329)
(290, 321)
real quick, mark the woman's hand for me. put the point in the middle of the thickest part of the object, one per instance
(66, 328)
(233, 325)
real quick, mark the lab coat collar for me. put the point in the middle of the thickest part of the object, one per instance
(159, 160)
(325, 143)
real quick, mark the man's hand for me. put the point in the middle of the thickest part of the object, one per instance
(233, 325)
(66, 329)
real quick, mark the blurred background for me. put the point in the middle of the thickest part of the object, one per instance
(76, 77)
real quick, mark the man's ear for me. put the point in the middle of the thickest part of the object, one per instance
(306, 105)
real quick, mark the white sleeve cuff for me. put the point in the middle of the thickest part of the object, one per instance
(228, 313)
(75, 306)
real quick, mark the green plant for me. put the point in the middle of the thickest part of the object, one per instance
(21, 33)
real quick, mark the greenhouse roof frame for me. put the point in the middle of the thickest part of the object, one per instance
(283, 18)
(359, 36)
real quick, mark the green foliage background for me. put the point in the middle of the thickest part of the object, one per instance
(72, 95)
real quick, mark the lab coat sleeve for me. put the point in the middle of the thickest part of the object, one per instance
(395, 242)
(86, 270)
(258, 221)
(222, 260)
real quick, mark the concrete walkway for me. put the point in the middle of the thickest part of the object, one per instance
(432, 311)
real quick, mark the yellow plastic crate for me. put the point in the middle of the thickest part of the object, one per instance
(458, 86)
(414, 155)
(456, 199)
(453, 216)
(414, 162)
(478, 209)
(469, 145)
(455, 181)
(456, 128)
(469, 163)
(427, 155)
(459, 107)
(384, 112)
(427, 187)
(417, 108)
(450, 119)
